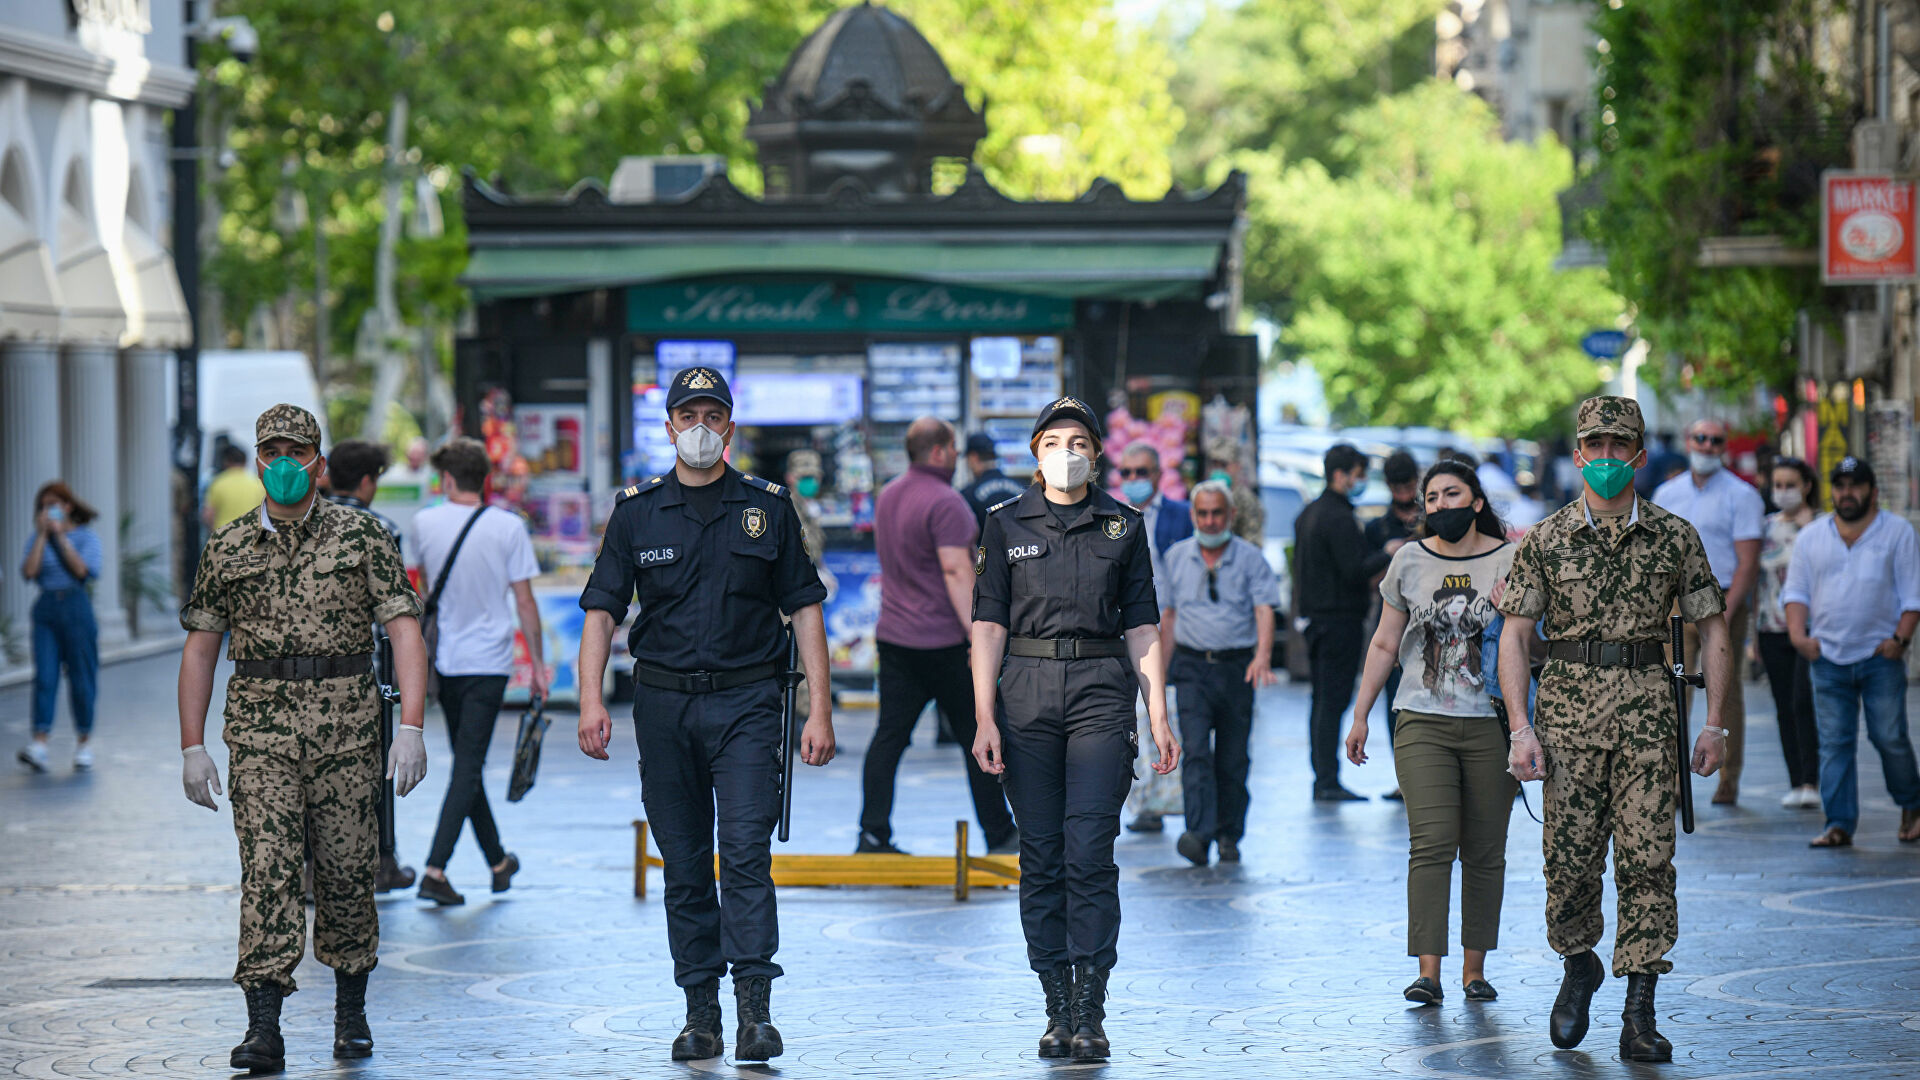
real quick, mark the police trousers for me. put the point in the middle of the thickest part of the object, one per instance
(702, 753)
(284, 803)
(1067, 736)
(1626, 795)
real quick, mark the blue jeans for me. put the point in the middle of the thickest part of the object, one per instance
(64, 633)
(1839, 692)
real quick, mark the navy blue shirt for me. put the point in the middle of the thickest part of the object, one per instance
(1089, 578)
(712, 589)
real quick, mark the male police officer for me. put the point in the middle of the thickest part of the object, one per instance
(717, 558)
(299, 585)
(1604, 572)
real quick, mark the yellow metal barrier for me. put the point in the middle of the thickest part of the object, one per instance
(963, 871)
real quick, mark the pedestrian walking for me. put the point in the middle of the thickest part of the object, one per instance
(63, 558)
(1387, 533)
(353, 471)
(924, 534)
(1730, 517)
(234, 491)
(1333, 570)
(1449, 748)
(1167, 522)
(1218, 612)
(1603, 574)
(1065, 636)
(989, 486)
(1227, 461)
(1852, 601)
(717, 559)
(482, 568)
(1794, 487)
(298, 586)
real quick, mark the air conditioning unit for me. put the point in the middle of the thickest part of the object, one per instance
(662, 178)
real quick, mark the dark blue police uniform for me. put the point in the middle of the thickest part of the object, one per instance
(708, 645)
(1066, 596)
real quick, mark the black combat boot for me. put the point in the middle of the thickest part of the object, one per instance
(1089, 1011)
(1058, 1040)
(700, 1039)
(351, 1039)
(262, 1050)
(755, 1039)
(1638, 1040)
(1568, 1021)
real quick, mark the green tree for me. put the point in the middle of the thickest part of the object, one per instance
(1414, 268)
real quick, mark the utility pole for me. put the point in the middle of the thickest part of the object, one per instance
(186, 260)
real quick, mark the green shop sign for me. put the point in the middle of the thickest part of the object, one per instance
(771, 306)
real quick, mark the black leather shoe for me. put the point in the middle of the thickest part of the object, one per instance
(1058, 1040)
(700, 1039)
(262, 1050)
(1481, 990)
(439, 890)
(1424, 991)
(872, 845)
(1638, 1039)
(503, 879)
(392, 875)
(1193, 847)
(1229, 849)
(1336, 794)
(1089, 1013)
(1567, 1024)
(1146, 823)
(351, 1038)
(756, 1039)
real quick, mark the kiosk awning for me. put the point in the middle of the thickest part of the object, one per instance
(94, 312)
(1122, 271)
(157, 317)
(29, 296)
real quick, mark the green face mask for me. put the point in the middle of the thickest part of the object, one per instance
(807, 486)
(286, 481)
(1607, 477)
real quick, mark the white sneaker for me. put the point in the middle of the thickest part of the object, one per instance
(1792, 799)
(34, 756)
(83, 756)
(1809, 798)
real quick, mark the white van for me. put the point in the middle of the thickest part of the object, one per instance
(237, 385)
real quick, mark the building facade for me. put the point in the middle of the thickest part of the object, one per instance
(90, 305)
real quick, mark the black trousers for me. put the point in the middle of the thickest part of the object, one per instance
(471, 704)
(1334, 645)
(700, 753)
(1067, 736)
(1791, 679)
(909, 678)
(1216, 718)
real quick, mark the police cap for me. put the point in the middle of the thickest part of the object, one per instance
(1069, 408)
(698, 382)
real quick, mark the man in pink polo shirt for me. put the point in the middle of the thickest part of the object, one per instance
(924, 533)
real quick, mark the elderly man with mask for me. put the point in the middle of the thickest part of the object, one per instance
(1730, 517)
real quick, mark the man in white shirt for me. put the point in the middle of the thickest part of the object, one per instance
(1852, 601)
(487, 590)
(1730, 517)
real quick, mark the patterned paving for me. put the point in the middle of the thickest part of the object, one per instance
(118, 916)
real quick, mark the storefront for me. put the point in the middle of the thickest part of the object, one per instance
(840, 311)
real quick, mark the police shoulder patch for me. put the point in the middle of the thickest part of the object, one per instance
(649, 484)
(979, 561)
(1003, 504)
(765, 485)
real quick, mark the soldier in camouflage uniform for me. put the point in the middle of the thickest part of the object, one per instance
(1227, 460)
(1603, 573)
(299, 585)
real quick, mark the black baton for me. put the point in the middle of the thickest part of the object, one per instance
(1683, 685)
(389, 695)
(789, 680)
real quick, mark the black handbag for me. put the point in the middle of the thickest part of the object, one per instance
(526, 749)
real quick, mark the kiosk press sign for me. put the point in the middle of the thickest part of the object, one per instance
(1868, 228)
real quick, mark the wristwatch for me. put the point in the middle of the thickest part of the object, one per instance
(1905, 642)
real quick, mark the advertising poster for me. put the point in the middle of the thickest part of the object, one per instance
(853, 612)
(553, 441)
(561, 623)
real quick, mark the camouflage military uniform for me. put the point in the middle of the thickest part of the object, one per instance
(302, 751)
(1608, 732)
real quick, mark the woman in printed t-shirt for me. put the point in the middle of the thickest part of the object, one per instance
(1450, 748)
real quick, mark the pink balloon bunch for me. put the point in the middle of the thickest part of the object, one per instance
(1167, 434)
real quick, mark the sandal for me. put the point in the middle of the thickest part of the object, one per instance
(1481, 990)
(1425, 991)
(1910, 825)
(1834, 837)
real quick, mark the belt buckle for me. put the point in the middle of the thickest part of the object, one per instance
(700, 682)
(307, 667)
(1066, 648)
(1586, 653)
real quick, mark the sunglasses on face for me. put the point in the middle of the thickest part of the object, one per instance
(1135, 474)
(1709, 440)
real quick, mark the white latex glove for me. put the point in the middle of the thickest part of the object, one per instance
(407, 759)
(200, 776)
(1525, 759)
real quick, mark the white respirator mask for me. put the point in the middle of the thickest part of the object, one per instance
(1065, 470)
(699, 446)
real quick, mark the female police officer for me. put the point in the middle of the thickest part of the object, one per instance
(1064, 635)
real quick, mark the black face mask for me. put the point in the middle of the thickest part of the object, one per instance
(1452, 525)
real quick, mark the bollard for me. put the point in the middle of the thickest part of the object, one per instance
(962, 873)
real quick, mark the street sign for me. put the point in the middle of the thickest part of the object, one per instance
(1604, 344)
(1868, 224)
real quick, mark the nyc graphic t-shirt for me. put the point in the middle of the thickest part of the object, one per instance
(1449, 604)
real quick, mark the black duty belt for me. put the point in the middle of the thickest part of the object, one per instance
(305, 667)
(701, 682)
(1609, 653)
(1217, 656)
(1066, 648)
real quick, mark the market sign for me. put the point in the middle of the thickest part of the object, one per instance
(1867, 228)
(736, 306)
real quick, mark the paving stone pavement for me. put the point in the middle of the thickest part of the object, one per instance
(118, 915)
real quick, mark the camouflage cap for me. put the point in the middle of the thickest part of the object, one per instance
(803, 462)
(286, 422)
(1610, 416)
(1223, 448)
